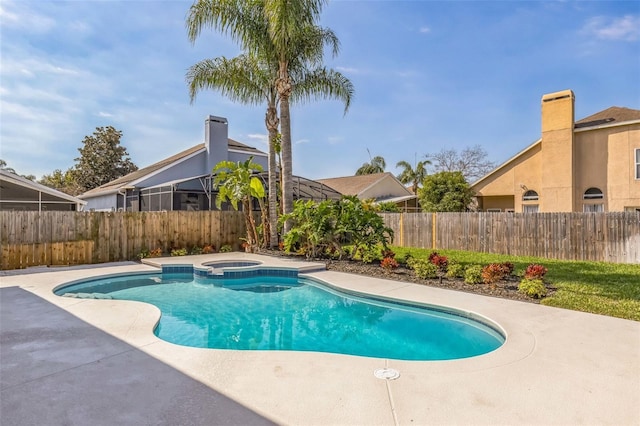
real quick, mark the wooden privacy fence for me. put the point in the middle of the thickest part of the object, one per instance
(610, 237)
(73, 238)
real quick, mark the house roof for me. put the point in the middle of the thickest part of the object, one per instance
(609, 116)
(353, 185)
(132, 177)
(16, 187)
(357, 185)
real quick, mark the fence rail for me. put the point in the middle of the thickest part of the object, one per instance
(72, 238)
(610, 237)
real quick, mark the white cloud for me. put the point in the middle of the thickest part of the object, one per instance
(424, 30)
(626, 28)
(301, 141)
(12, 15)
(262, 138)
(349, 70)
(104, 114)
(334, 140)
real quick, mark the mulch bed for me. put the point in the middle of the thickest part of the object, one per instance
(506, 289)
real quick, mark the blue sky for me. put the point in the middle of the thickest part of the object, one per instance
(428, 75)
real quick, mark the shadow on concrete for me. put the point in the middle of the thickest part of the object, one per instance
(55, 369)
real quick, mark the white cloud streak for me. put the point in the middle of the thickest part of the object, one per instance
(626, 28)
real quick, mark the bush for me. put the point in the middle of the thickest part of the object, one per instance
(389, 264)
(144, 253)
(508, 268)
(208, 249)
(535, 271)
(226, 248)
(425, 269)
(533, 287)
(195, 250)
(179, 252)
(155, 252)
(455, 270)
(492, 273)
(473, 274)
(441, 262)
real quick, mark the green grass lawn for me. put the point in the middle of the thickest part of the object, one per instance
(597, 287)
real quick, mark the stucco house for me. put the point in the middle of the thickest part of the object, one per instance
(381, 187)
(590, 165)
(19, 193)
(183, 181)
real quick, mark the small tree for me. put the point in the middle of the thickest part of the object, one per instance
(236, 183)
(445, 192)
(102, 159)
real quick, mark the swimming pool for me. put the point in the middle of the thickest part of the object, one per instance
(261, 311)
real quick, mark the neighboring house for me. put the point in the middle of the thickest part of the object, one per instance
(183, 181)
(381, 187)
(592, 165)
(19, 193)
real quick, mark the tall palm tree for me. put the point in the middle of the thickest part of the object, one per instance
(248, 80)
(282, 34)
(412, 176)
(377, 165)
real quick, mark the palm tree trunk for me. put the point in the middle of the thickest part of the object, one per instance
(284, 91)
(271, 120)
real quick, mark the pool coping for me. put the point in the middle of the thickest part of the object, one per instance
(582, 368)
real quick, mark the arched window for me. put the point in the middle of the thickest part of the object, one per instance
(530, 195)
(593, 194)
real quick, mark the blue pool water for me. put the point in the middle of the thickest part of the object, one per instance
(298, 314)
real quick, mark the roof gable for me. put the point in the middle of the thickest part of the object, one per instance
(20, 182)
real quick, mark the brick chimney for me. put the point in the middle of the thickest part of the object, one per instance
(558, 151)
(216, 141)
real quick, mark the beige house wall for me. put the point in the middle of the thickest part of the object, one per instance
(565, 163)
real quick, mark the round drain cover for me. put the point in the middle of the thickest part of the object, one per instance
(386, 373)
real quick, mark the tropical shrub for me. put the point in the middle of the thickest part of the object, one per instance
(179, 252)
(441, 262)
(226, 248)
(143, 253)
(454, 270)
(389, 263)
(320, 228)
(208, 248)
(195, 250)
(533, 287)
(424, 269)
(157, 252)
(492, 273)
(473, 274)
(535, 271)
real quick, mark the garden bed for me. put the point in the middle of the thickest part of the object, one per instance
(506, 288)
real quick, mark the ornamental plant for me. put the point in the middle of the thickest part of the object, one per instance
(179, 252)
(473, 274)
(493, 273)
(389, 264)
(455, 270)
(535, 271)
(157, 252)
(208, 249)
(533, 287)
(424, 269)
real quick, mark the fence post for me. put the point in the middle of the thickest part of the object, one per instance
(401, 229)
(433, 231)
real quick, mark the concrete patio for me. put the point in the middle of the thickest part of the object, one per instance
(80, 362)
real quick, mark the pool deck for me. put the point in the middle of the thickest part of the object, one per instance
(80, 361)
